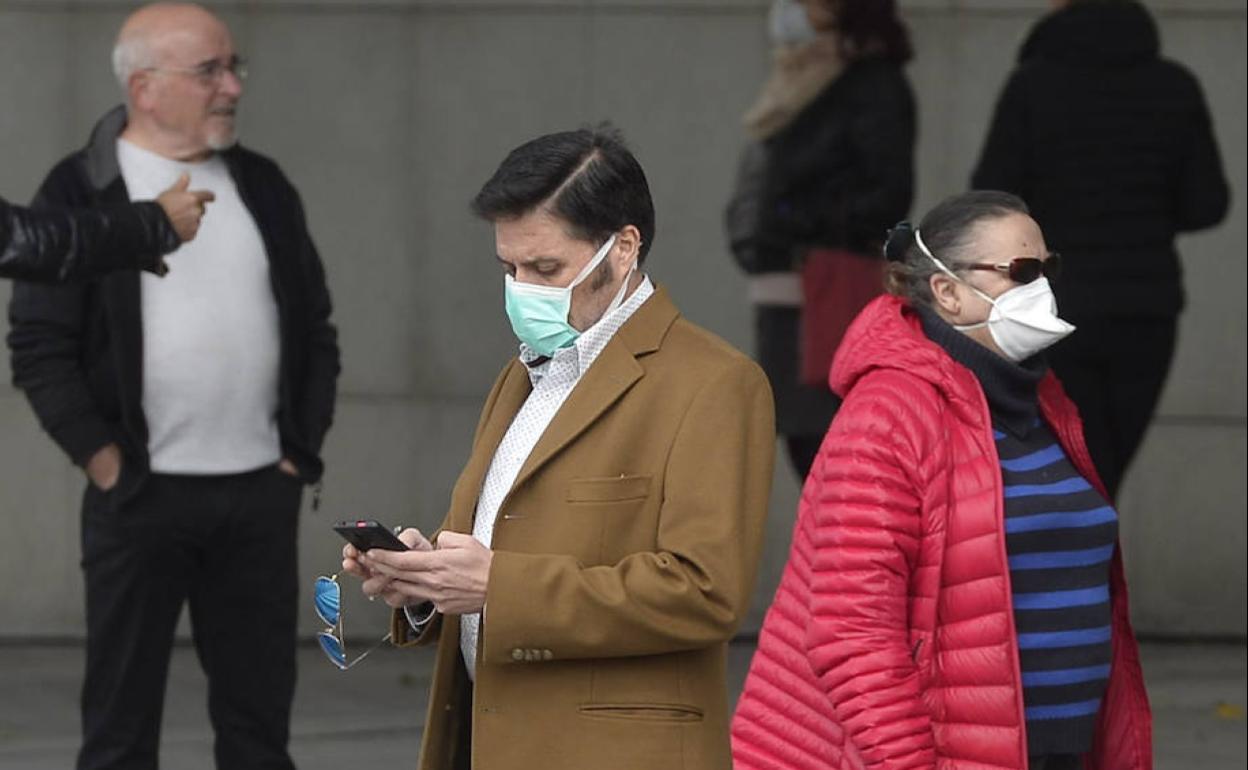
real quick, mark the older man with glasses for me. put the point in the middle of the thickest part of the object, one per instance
(196, 404)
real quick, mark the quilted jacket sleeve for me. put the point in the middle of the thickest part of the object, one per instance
(1201, 194)
(47, 329)
(863, 510)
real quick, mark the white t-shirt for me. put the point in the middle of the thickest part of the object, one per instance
(211, 344)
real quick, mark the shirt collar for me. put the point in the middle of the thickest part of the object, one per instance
(580, 355)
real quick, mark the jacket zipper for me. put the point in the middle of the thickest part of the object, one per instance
(1009, 586)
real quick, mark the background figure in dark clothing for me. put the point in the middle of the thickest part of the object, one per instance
(832, 168)
(1112, 148)
(72, 245)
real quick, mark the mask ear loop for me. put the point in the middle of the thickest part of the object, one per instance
(918, 239)
(618, 300)
(593, 263)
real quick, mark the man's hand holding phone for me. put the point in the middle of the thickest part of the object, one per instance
(351, 553)
(353, 562)
(453, 575)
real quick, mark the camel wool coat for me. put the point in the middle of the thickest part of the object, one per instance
(624, 560)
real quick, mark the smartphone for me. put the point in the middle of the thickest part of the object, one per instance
(366, 534)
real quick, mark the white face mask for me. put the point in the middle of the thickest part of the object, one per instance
(787, 23)
(1023, 321)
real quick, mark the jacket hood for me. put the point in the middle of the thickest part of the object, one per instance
(1097, 33)
(101, 149)
(888, 334)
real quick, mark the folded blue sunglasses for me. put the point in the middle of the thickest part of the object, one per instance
(328, 602)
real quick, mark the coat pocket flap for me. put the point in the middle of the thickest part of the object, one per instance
(661, 712)
(608, 489)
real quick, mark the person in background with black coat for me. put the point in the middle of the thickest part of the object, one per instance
(1113, 149)
(196, 404)
(835, 131)
(64, 246)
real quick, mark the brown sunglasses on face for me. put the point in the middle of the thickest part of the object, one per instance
(1024, 269)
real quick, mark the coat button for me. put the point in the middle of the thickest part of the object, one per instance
(517, 654)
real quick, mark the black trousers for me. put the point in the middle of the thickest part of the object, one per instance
(803, 450)
(463, 737)
(1055, 762)
(225, 545)
(1114, 370)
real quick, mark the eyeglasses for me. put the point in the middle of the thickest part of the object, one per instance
(210, 72)
(1025, 269)
(328, 602)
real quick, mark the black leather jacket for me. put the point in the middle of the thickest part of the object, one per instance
(73, 245)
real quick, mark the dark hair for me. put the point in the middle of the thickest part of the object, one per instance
(588, 178)
(946, 231)
(871, 28)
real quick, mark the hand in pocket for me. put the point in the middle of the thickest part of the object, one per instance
(104, 467)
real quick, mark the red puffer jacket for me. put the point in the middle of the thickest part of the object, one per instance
(891, 641)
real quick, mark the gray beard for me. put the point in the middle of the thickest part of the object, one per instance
(224, 143)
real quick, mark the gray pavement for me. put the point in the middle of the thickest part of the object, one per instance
(371, 715)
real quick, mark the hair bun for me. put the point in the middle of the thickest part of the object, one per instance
(900, 238)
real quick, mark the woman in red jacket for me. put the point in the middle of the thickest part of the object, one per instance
(954, 595)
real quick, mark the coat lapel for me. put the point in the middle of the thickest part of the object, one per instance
(607, 380)
(512, 393)
(610, 377)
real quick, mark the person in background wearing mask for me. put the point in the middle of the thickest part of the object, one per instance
(601, 544)
(196, 404)
(954, 593)
(834, 132)
(75, 245)
(1113, 149)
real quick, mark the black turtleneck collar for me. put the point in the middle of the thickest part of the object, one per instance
(1009, 387)
(1103, 33)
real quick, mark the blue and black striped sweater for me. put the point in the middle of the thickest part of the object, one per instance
(1060, 536)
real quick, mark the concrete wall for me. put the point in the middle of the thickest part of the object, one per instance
(389, 114)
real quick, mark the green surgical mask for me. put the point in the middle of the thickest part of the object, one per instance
(539, 314)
